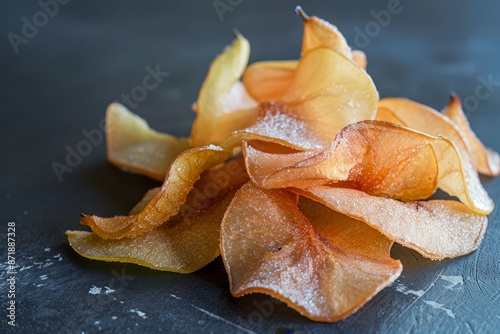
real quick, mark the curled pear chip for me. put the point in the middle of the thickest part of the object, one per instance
(436, 229)
(381, 159)
(338, 94)
(181, 245)
(133, 145)
(187, 241)
(184, 171)
(320, 33)
(222, 95)
(269, 246)
(425, 119)
(485, 159)
(269, 80)
(184, 243)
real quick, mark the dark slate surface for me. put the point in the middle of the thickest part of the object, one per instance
(59, 83)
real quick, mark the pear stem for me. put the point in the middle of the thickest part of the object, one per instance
(236, 32)
(303, 15)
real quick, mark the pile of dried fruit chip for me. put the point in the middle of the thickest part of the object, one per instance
(300, 178)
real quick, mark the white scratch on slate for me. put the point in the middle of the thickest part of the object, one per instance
(453, 280)
(139, 313)
(108, 290)
(95, 290)
(210, 314)
(43, 277)
(440, 307)
(47, 249)
(114, 317)
(403, 289)
(174, 296)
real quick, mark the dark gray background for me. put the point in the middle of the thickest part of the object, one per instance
(89, 53)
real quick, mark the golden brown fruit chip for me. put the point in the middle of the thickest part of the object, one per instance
(133, 145)
(329, 92)
(269, 80)
(269, 246)
(184, 244)
(184, 171)
(425, 119)
(436, 229)
(485, 159)
(320, 33)
(187, 241)
(381, 159)
(184, 247)
(221, 95)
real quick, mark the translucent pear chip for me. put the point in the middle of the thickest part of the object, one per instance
(269, 246)
(338, 94)
(187, 241)
(320, 33)
(485, 159)
(269, 80)
(181, 245)
(381, 159)
(133, 145)
(436, 229)
(223, 104)
(184, 171)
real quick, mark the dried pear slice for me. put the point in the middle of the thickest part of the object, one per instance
(437, 229)
(485, 159)
(269, 246)
(320, 33)
(381, 159)
(221, 95)
(181, 177)
(133, 145)
(329, 92)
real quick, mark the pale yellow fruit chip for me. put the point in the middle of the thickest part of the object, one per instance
(133, 145)
(223, 104)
